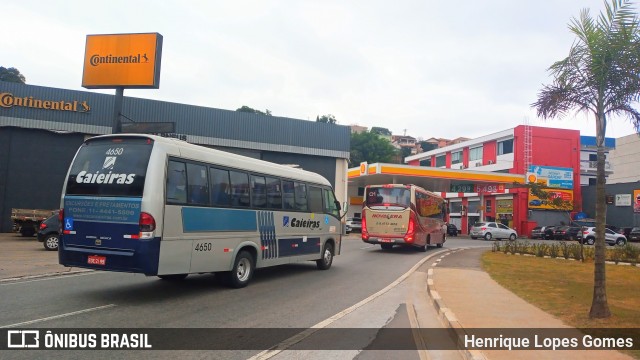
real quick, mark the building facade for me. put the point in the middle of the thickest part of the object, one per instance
(589, 159)
(522, 150)
(625, 160)
(41, 128)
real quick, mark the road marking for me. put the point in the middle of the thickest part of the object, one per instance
(29, 279)
(58, 316)
(269, 353)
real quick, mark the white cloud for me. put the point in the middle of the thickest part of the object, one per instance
(435, 68)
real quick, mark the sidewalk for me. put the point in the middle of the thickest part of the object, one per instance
(26, 257)
(468, 298)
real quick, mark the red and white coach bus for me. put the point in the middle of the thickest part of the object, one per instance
(408, 215)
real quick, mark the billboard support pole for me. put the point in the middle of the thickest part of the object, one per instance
(117, 110)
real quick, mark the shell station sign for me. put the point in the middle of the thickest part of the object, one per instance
(553, 177)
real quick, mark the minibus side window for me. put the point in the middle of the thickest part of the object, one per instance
(288, 195)
(258, 191)
(198, 184)
(219, 186)
(315, 199)
(239, 189)
(301, 196)
(274, 193)
(176, 183)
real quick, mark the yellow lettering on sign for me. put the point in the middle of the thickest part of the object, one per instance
(8, 100)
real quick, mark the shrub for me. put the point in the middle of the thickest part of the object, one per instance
(554, 250)
(576, 251)
(617, 254)
(542, 250)
(496, 246)
(523, 247)
(631, 253)
(565, 249)
(589, 253)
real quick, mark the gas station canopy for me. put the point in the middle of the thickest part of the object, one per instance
(433, 179)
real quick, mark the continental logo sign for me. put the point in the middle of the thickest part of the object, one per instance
(122, 60)
(8, 100)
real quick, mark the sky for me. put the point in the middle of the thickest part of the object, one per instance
(421, 68)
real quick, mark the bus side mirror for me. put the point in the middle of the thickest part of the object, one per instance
(345, 207)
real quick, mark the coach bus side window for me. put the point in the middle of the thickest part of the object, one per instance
(315, 199)
(274, 193)
(421, 204)
(219, 187)
(239, 189)
(176, 183)
(288, 197)
(258, 191)
(330, 203)
(301, 196)
(198, 190)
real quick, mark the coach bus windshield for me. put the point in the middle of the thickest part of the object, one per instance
(110, 167)
(388, 196)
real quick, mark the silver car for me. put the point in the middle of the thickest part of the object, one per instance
(492, 230)
(610, 237)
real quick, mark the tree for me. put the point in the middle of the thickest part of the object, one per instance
(381, 131)
(247, 109)
(11, 75)
(404, 152)
(366, 146)
(598, 77)
(329, 119)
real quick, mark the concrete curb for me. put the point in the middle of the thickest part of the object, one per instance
(47, 275)
(448, 316)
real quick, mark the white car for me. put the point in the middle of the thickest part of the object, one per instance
(610, 237)
(354, 224)
(492, 230)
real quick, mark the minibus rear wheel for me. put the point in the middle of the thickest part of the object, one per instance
(242, 271)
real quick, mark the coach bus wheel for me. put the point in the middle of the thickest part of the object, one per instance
(173, 277)
(442, 243)
(425, 247)
(242, 271)
(325, 262)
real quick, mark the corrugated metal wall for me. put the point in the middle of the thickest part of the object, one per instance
(207, 126)
(620, 216)
(33, 167)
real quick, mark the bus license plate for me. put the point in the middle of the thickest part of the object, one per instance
(96, 260)
(385, 240)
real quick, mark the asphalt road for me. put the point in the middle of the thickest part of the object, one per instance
(289, 296)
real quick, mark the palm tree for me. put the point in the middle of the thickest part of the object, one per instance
(600, 76)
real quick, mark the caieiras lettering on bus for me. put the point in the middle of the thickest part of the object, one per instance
(109, 178)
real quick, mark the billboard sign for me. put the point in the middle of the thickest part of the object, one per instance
(553, 177)
(122, 60)
(535, 203)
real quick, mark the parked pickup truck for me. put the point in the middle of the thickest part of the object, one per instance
(27, 221)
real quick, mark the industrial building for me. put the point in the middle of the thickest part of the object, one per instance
(41, 128)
